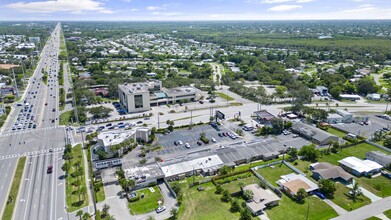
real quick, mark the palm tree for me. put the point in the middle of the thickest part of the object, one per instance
(83, 190)
(79, 213)
(241, 185)
(105, 209)
(86, 216)
(356, 191)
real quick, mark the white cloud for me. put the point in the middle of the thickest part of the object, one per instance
(282, 8)
(277, 1)
(360, 8)
(166, 13)
(73, 6)
(154, 8)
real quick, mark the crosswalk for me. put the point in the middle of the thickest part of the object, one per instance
(5, 134)
(33, 153)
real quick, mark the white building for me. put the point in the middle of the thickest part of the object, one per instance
(360, 167)
(138, 97)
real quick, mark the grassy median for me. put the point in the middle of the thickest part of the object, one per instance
(224, 96)
(76, 190)
(12, 197)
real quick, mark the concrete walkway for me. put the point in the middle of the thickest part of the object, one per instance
(367, 211)
(337, 208)
(367, 193)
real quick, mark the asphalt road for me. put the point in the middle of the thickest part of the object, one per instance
(7, 168)
(42, 195)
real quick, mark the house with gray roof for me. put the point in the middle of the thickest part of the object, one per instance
(313, 133)
(379, 157)
(324, 170)
(262, 199)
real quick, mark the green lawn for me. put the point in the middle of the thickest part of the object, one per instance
(12, 197)
(289, 209)
(204, 205)
(373, 218)
(224, 96)
(273, 173)
(336, 132)
(100, 195)
(256, 163)
(388, 213)
(342, 198)
(381, 186)
(146, 204)
(73, 200)
(65, 117)
(357, 151)
(233, 187)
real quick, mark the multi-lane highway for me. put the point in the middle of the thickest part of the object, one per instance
(32, 130)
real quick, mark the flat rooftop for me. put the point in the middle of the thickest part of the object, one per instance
(111, 138)
(141, 173)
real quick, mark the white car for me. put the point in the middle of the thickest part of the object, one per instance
(187, 145)
(213, 140)
(160, 209)
(180, 142)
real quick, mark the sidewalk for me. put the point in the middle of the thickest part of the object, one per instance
(367, 193)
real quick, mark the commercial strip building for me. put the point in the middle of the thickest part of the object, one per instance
(342, 116)
(138, 97)
(315, 134)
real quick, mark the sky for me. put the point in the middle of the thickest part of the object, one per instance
(192, 10)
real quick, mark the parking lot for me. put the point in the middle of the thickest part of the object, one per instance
(191, 136)
(365, 130)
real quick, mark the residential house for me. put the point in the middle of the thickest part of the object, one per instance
(379, 157)
(262, 199)
(291, 183)
(360, 167)
(324, 170)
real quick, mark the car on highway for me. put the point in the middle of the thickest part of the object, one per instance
(50, 169)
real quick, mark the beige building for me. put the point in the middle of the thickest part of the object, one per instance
(139, 97)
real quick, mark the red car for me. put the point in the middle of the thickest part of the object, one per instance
(50, 169)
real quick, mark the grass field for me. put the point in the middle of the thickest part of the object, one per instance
(224, 96)
(233, 187)
(342, 198)
(357, 151)
(148, 203)
(336, 132)
(273, 173)
(100, 195)
(204, 205)
(13, 194)
(381, 186)
(388, 213)
(289, 209)
(65, 117)
(73, 200)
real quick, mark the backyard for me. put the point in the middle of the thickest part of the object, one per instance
(336, 132)
(200, 205)
(273, 173)
(289, 208)
(233, 187)
(148, 203)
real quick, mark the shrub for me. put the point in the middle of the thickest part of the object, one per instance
(134, 199)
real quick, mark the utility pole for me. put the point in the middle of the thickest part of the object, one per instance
(16, 85)
(308, 211)
(191, 117)
(158, 121)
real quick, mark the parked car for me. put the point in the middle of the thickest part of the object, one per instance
(199, 143)
(187, 145)
(180, 142)
(320, 195)
(160, 209)
(50, 169)
(213, 140)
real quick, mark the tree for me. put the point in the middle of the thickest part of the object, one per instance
(292, 152)
(277, 125)
(224, 170)
(105, 209)
(79, 214)
(226, 197)
(83, 191)
(66, 167)
(248, 194)
(176, 187)
(366, 85)
(100, 112)
(301, 194)
(235, 207)
(327, 186)
(335, 147)
(336, 91)
(245, 214)
(219, 189)
(86, 216)
(387, 142)
(356, 191)
(174, 213)
(309, 152)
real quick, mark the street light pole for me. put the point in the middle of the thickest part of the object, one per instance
(308, 211)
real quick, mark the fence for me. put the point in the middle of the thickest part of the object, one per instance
(170, 189)
(293, 168)
(262, 179)
(378, 146)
